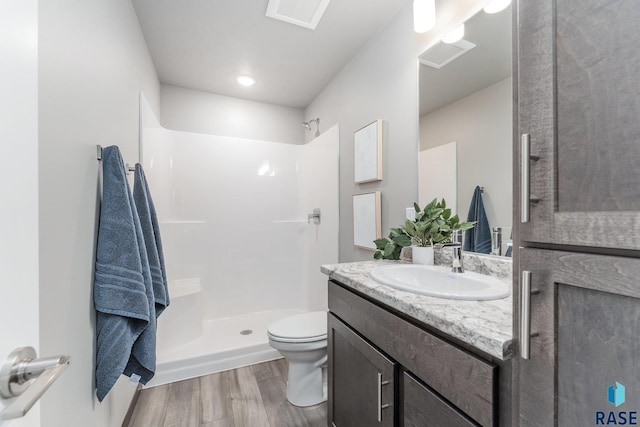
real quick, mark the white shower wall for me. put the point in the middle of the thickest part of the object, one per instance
(233, 213)
(318, 181)
(239, 251)
(219, 220)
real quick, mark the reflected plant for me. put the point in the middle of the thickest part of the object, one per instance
(433, 225)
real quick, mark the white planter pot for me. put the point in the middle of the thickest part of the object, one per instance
(422, 255)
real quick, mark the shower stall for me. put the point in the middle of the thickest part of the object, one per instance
(240, 248)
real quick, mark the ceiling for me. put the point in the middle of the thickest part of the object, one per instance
(205, 44)
(487, 63)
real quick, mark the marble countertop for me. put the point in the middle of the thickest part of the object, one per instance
(486, 325)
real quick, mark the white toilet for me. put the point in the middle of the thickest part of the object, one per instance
(302, 340)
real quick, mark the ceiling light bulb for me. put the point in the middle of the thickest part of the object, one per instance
(424, 15)
(454, 35)
(496, 6)
(246, 80)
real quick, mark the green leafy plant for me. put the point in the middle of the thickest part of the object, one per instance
(390, 248)
(433, 225)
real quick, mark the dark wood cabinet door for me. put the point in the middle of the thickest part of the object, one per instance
(578, 103)
(584, 338)
(464, 379)
(361, 380)
(423, 407)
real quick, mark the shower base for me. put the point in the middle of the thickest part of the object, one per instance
(225, 344)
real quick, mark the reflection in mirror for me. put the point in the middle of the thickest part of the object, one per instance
(468, 101)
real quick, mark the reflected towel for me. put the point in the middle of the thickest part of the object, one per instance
(122, 291)
(151, 233)
(477, 239)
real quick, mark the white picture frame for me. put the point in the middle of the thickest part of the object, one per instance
(367, 224)
(368, 153)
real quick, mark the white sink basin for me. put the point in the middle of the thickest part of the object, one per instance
(440, 282)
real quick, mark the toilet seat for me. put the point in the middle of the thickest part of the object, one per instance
(296, 340)
(306, 327)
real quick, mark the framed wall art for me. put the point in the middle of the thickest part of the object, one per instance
(367, 225)
(368, 153)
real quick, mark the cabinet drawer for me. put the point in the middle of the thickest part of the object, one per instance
(465, 380)
(422, 407)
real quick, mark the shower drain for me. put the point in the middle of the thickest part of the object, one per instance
(246, 332)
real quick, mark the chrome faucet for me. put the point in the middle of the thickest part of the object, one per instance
(456, 244)
(496, 241)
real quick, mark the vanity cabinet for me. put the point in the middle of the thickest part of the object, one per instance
(578, 104)
(362, 380)
(384, 366)
(583, 338)
(420, 406)
(577, 313)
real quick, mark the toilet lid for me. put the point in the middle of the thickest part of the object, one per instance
(310, 326)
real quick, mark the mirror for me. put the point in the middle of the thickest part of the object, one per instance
(466, 122)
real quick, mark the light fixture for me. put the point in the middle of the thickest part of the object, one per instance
(496, 6)
(246, 80)
(454, 35)
(424, 15)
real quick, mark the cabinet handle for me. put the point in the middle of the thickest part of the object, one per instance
(380, 405)
(525, 147)
(525, 315)
(525, 159)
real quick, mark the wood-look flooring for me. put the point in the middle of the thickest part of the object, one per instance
(254, 396)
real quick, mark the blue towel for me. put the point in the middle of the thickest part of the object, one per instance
(122, 291)
(478, 239)
(151, 233)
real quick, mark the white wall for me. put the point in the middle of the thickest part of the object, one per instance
(481, 124)
(19, 185)
(203, 112)
(382, 82)
(93, 61)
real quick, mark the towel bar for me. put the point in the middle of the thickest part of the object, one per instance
(99, 156)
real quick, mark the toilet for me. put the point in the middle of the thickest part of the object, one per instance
(302, 341)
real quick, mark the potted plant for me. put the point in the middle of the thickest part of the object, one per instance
(390, 248)
(432, 225)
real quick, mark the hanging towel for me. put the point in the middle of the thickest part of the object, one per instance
(122, 291)
(477, 239)
(151, 233)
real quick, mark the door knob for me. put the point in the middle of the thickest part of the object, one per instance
(26, 377)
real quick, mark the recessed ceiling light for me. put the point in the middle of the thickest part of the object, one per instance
(246, 80)
(496, 6)
(424, 15)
